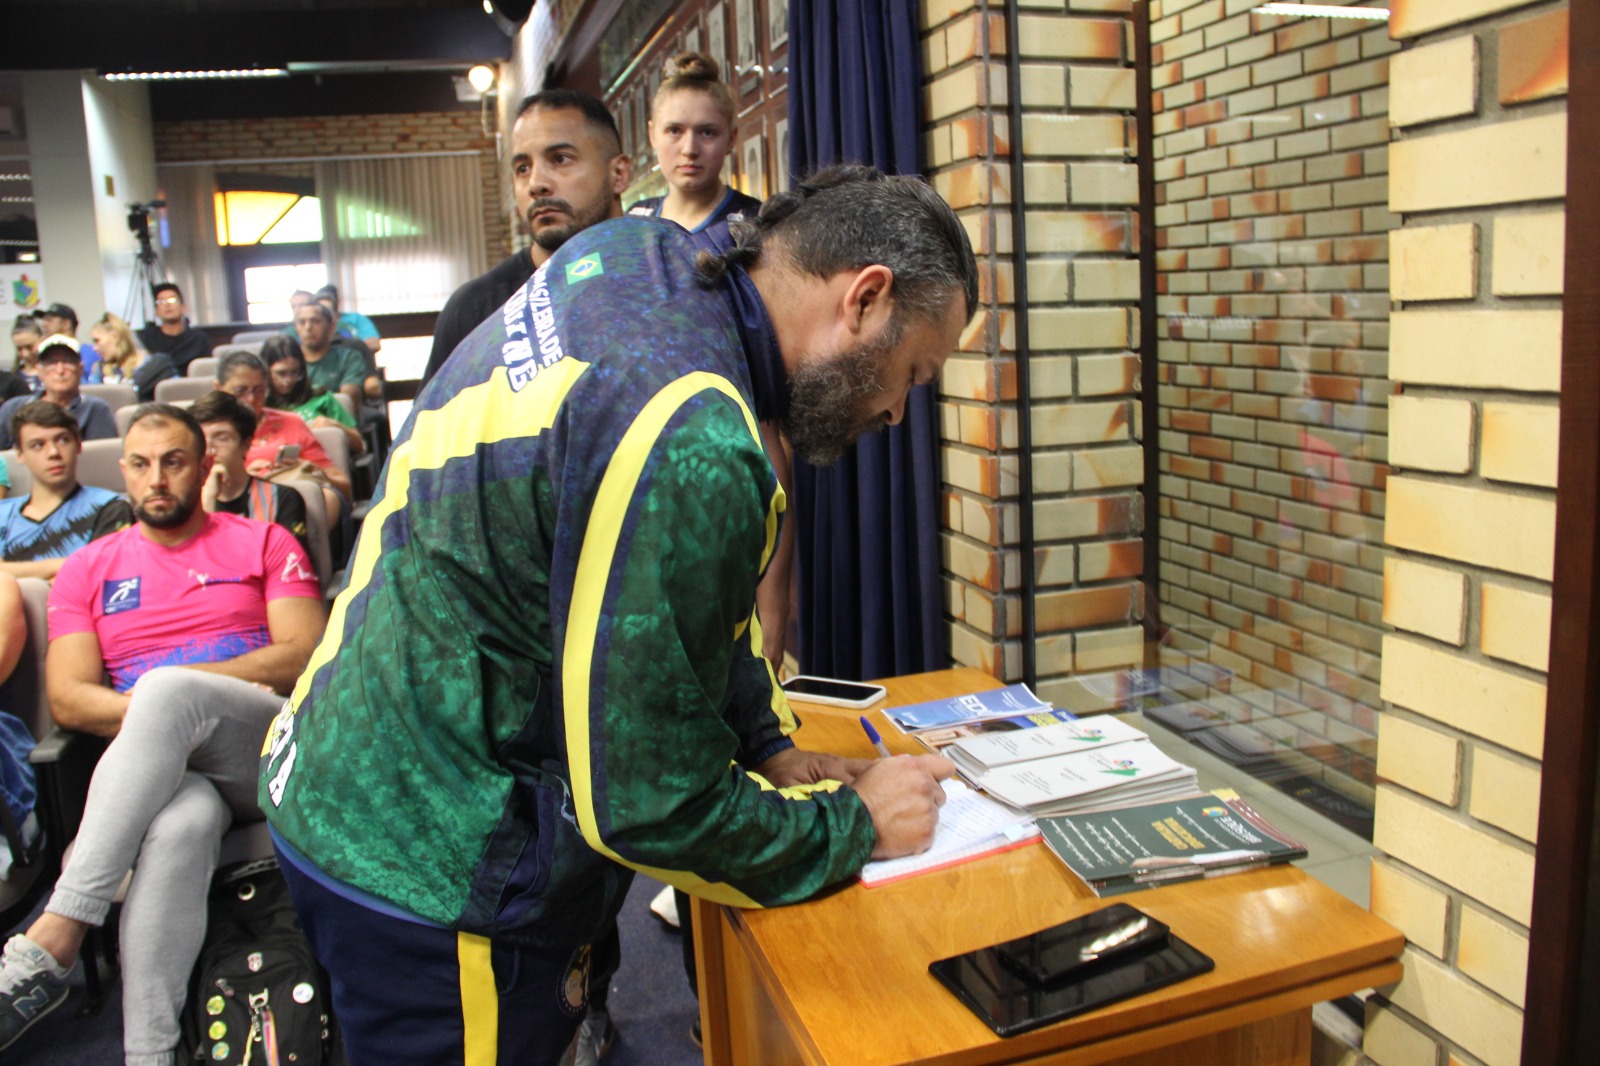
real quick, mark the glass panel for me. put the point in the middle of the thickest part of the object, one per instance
(247, 216)
(267, 288)
(362, 222)
(1273, 306)
(301, 224)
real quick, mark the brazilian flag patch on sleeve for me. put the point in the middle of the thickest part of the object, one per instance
(583, 269)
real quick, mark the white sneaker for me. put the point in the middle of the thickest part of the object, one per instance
(665, 907)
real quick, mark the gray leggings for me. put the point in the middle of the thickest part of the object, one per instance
(181, 770)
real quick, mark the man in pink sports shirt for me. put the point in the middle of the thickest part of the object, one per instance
(203, 622)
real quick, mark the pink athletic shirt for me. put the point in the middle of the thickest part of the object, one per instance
(201, 602)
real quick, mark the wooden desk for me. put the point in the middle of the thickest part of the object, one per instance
(843, 980)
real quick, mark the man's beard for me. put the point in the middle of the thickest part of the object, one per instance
(181, 510)
(826, 394)
(551, 238)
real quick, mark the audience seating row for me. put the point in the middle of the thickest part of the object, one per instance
(116, 396)
(98, 466)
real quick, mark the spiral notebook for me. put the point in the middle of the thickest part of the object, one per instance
(971, 825)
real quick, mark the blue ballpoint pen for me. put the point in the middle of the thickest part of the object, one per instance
(877, 741)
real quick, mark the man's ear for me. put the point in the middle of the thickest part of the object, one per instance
(868, 299)
(621, 173)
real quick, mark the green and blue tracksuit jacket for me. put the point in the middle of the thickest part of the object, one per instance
(544, 670)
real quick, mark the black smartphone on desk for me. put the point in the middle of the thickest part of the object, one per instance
(1004, 986)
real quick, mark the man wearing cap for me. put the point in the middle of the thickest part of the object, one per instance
(63, 320)
(171, 333)
(60, 375)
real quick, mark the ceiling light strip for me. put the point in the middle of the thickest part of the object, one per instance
(197, 75)
(1324, 11)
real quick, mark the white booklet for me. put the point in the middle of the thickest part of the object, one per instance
(980, 754)
(1129, 768)
(970, 826)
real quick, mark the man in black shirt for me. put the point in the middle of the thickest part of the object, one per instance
(170, 332)
(567, 173)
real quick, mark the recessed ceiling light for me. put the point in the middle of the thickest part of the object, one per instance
(192, 75)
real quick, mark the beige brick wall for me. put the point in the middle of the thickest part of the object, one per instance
(1273, 269)
(1477, 177)
(1081, 183)
(277, 138)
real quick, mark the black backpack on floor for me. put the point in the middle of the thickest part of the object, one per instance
(257, 995)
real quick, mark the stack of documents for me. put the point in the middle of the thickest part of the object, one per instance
(1092, 764)
(1160, 843)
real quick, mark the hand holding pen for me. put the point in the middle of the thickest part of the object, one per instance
(903, 795)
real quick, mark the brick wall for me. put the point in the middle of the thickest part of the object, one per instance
(1477, 175)
(269, 138)
(1270, 161)
(1081, 192)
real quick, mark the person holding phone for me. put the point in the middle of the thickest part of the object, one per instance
(241, 375)
(290, 389)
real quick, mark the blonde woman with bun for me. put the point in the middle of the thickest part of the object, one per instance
(124, 362)
(691, 132)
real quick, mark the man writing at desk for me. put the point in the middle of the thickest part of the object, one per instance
(544, 671)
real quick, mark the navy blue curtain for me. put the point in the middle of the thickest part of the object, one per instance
(870, 600)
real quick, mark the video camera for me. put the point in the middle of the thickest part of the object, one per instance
(139, 218)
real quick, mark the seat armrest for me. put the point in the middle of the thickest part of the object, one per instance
(55, 746)
(64, 761)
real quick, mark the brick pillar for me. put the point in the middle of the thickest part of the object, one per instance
(1477, 174)
(1081, 191)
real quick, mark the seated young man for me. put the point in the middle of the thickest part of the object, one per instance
(229, 426)
(38, 531)
(203, 622)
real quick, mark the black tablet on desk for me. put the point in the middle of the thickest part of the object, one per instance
(1010, 1000)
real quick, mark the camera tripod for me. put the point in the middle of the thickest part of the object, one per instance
(147, 271)
(147, 267)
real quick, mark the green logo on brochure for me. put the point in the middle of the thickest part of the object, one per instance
(583, 269)
(1122, 768)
